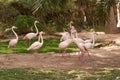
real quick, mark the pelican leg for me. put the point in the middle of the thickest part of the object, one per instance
(14, 49)
(36, 55)
(25, 42)
(83, 60)
(86, 50)
(28, 42)
(79, 52)
(90, 57)
(81, 55)
(69, 55)
(64, 52)
(88, 53)
(60, 51)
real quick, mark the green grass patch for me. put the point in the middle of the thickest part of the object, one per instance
(50, 45)
(99, 41)
(38, 74)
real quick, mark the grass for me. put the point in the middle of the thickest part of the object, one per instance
(50, 45)
(38, 74)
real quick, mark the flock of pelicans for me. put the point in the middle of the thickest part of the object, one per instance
(67, 38)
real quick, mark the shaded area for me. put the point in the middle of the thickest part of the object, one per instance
(99, 58)
(40, 74)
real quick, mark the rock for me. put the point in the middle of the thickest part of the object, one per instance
(101, 33)
(117, 41)
(106, 43)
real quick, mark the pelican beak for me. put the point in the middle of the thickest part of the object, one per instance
(44, 33)
(38, 22)
(14, 27)
(38, 34)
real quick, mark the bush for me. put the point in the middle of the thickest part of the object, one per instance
(5, 29)
(24, 23)
(51, 28)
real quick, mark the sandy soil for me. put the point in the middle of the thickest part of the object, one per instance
(105, 57)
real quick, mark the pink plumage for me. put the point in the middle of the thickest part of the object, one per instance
(85, 45)
(65, 36)
(64, 44)
(31, 35)
(13, 42)
(36, 45)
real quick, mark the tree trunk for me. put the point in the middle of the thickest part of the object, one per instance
(110, 26)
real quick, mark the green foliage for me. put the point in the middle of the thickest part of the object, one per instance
(24, 7)
(58, 11)
(52, 12)
(2, 26)
(106, 74)
(24, 23)
(26, 3)
(7, 13)
(39, 74)
(101, 11)
(51, 28)
(6, 1)
(33, 74)
(47, 6)
(50, 45)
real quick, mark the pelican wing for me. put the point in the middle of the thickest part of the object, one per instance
(13, 42)
(30, 35)
(36, 45)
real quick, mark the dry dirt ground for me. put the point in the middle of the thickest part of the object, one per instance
(105, 57)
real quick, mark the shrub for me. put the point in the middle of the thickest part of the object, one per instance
(24, 23)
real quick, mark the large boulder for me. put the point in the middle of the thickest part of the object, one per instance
(117, 41)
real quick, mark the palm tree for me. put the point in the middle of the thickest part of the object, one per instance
(89, 12)
(86, 10)
(52, 13)
(110, 25)
(104, 13)
(45, 7)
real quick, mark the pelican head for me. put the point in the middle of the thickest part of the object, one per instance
(14, 27)
(92, 30)
(36, 21)
(71, 22)
(41, 32)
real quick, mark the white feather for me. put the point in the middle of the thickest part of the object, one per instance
(36, 45)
